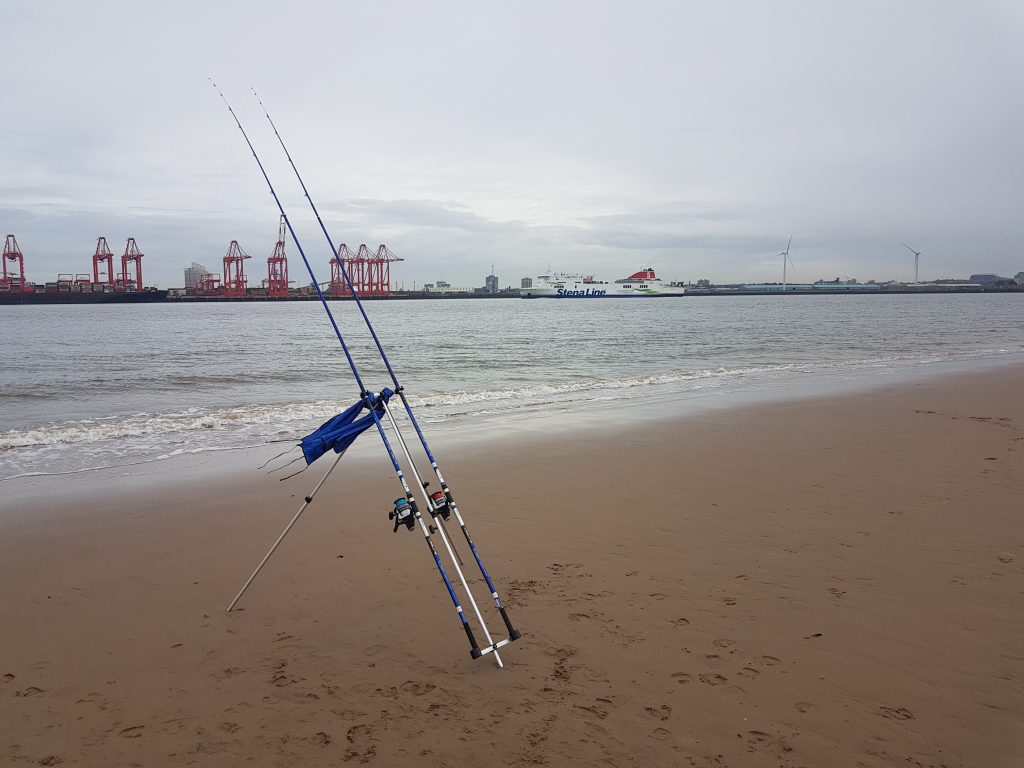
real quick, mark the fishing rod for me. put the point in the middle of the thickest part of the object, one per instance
(373, 404)
(432, 503)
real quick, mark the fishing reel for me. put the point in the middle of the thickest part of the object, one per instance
(404, 513)
(439, 504)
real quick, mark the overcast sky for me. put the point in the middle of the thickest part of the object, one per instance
(586, 136)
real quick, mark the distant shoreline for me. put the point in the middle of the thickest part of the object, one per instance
(163, 297)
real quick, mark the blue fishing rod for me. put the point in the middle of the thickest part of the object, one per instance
(373, 404)
(437, 509)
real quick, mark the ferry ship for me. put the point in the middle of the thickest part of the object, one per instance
(559, 285)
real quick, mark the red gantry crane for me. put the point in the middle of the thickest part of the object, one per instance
(132, 256)
(380, 270)
(13, 254)
(235, 281)
(338, 285)
(103, 255)
(277, 267)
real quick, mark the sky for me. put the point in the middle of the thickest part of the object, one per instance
(592, 137)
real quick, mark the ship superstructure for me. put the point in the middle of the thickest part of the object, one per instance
(561, 285)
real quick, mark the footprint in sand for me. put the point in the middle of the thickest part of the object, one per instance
(837, 592)
(557, 568)
(661, 734)
(358, 734)
(759, 741)
(896, 713)
(713, 679)
(724, 644)
(132, 732)
(600, 708)
(30, 691)
(417, 689)
(682, 677)
(803, 707)
(729, 600)
(749, 673)
(51, 760)
(1006, 558)
(663, 712)
(281, 680)
(771, 661)
(680, 622)
(230, 727)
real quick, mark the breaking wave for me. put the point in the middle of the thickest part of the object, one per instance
(284, 421)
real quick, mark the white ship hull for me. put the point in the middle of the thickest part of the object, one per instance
(640, 285)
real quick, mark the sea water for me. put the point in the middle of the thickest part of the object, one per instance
(87, 386)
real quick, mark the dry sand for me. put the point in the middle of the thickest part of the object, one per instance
(833, 582)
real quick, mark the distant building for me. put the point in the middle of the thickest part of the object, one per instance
(526, 282)
(989, 279)
(703, 283)
(194, 274)
(1019, 278)
(443, 286)
(491, 283)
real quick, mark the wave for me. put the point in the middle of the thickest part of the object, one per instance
(289, 418)
(147, 425)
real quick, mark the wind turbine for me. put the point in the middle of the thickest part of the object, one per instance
(785, 257)
(916, 255)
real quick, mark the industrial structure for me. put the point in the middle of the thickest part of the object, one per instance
(103, 255)
(194, 274)
(235, 281)
(128, 279)
(132, 256)
(491, 282)
(231, 283)
(103, 284)
(370, 273)
(12, 253)
(277, 267)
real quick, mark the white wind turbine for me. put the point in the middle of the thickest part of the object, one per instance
(785, 257)
(917, 255)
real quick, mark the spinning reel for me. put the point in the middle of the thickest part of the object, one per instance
(404, 513)
(439, 504)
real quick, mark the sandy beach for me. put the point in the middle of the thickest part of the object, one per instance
(822, 582)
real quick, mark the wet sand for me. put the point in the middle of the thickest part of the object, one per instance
(824, 582)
